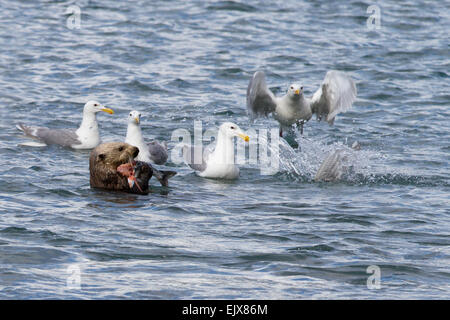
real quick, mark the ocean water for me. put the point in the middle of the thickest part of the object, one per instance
(277, 236)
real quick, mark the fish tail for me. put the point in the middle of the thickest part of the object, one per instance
(163, 176)
(28, 131)
(22, 128)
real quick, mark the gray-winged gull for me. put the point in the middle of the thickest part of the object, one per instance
(85, 137)
(153, 152)
(335, 95)
(335, 164)
(218, 163)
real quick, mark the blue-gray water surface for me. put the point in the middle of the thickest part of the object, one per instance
(279, 236)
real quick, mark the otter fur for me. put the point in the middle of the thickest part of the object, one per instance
(104, 161)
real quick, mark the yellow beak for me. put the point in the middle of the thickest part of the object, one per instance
(108, 110)
(297, 91)
(137, 120)
(243, 136)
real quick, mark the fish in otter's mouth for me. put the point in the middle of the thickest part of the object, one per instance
(131, 171)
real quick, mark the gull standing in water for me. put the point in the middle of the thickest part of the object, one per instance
(219, 163)
(335, 95)
(85, 137)
(153, 152)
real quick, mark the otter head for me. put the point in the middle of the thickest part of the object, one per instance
(113, 154)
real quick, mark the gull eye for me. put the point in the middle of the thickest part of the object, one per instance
(130, 114)
(232, 127)
(301, 88)
(120, 149)
(95, 104)
(292, 87)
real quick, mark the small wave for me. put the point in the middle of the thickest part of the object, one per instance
(230, 72)
(401, 179)
(231, 6)
(180, 83)
(21, 255)
(139, 86)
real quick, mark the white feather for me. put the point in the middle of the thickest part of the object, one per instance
(335, 95)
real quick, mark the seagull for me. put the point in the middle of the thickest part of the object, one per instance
(335, 95)
(336, 164)
(153, 152)
(85, 137)
(219, 163)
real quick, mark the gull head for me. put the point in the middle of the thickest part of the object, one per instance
(134, 117)
(94, 107)
(295, 90)
(231, 130)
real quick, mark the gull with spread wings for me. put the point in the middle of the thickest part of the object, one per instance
(336, 94)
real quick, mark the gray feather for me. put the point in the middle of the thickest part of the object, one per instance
(191, 160)
(158, 152)
(332, 167)
(260, 100)
(63, 137)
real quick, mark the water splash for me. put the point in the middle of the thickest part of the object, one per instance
(362, 166)
(302, 163)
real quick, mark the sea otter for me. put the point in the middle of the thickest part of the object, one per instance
(112, 167)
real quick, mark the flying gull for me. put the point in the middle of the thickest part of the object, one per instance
(335, 95)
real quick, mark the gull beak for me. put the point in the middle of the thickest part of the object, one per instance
(297, 92)
(137, 120)
(107, 110)
(244, 137)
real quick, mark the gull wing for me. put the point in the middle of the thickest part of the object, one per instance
(331, 168)
(189, 155)
(63, 137)
(158, 152)
(260, 100)
(335, 95)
